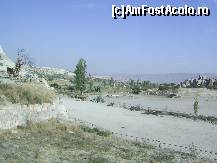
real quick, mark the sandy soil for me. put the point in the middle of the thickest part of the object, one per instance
(167, 129)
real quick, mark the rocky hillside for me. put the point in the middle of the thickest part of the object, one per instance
(5, 61)
(200, 82)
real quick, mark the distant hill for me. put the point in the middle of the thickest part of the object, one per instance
(163, 78)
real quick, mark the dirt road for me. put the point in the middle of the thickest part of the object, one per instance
(179, 131)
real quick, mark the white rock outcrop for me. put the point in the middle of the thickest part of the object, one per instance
(17, 115)
(5, 61)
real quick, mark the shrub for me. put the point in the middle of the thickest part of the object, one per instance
(135, 108)
(55, 85)
(2, 100)
(136, 89)
(196, 106)
(26, 94)
(98, 99)
(193, 150)
(95, 130)
(148, 85)
(97, 89)
(111, 104)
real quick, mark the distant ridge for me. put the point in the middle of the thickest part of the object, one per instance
(162, 78)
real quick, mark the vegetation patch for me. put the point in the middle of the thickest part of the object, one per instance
(26, 94)
(98, 99)
(210, 119)
(52, 141)
(96, 131)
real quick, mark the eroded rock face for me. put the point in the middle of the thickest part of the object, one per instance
(5, 61)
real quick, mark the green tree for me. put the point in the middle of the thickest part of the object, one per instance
(90, 85)
(111, 82)
(80, 79)
(132, 83)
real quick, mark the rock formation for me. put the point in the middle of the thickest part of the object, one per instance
(200, 82)
(5, 61)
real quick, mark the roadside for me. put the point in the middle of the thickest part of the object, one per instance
(52, 141)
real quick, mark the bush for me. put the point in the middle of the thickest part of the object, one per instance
(26, 94)
(196, 106)
(111, 104)
(55, 85)
(97, 89)
(135, 108)
(98, 99)
(148, 85)
(136, 90)
(95, 130)
(193, 150)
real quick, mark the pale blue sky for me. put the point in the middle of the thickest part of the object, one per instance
(57, 33)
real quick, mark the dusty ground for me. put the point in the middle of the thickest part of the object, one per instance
(179, 131)
(207, 101)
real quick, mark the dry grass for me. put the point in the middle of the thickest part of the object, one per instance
(56, 142)
(26, 94)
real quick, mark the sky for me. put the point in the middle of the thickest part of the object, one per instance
(56, 33)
